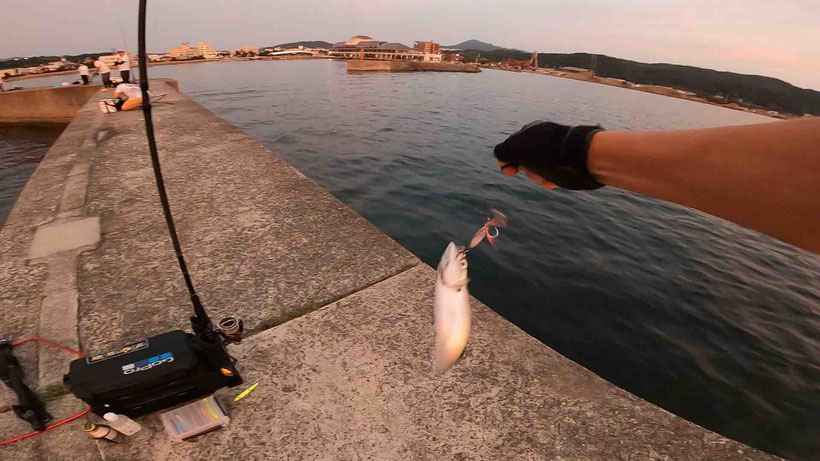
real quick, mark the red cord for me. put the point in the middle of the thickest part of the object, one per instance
(58, 423)
(49, 343)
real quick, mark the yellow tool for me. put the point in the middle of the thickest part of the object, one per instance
(244, 393)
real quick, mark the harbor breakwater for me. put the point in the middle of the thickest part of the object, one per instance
(409, 66)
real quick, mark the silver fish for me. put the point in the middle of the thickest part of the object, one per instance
(451, 308)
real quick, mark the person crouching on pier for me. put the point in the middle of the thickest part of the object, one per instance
(130, 96)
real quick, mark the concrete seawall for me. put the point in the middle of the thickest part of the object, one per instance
(59, 104)
(409, 66)
(340, 315)
(47, 104)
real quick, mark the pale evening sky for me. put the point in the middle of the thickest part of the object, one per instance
(766, 37)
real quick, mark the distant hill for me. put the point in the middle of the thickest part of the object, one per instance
(474, 44)
(761, 91)
(757, 90)
(304, 43)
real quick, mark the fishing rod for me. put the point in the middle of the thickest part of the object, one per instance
(171, 368)
(203, 322)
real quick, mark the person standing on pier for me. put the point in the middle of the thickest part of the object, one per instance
(124, 63)
(83, 70)
(105, 73)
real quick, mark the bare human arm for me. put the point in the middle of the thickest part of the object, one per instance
(764, 177)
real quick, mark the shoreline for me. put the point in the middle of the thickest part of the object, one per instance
(652, 89)
(170, 63)
(45, 74)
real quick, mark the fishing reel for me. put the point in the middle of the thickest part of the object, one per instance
(231, 328)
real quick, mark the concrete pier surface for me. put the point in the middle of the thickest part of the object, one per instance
(339, 315)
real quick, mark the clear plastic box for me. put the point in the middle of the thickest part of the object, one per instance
(194, 419)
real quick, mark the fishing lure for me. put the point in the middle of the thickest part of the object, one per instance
(489, 229)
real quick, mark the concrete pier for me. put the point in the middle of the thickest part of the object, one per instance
(58, 104)
(340, 315)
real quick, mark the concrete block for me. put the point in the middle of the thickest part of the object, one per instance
(74, 192)
(63, 236)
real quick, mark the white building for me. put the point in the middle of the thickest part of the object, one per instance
(364, 47)
(186, 51)
(205, 50)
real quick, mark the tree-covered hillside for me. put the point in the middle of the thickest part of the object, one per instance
(756, 90)
(753, 89)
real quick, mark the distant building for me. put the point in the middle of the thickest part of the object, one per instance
(427, 47)
(183, 52)
(54, 65)
(186, 51)
(251, 49)
(364, 47)
(205, 50)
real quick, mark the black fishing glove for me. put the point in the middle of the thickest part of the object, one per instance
(557, 153)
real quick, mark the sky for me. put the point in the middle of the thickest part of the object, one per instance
(776, 38)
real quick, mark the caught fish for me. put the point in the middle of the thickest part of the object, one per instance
(452, 302)
(451, 308)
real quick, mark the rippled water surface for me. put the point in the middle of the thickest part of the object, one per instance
(21, 148)
(713, 322)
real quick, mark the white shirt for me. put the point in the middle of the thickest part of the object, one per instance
(83, 69)
(126, 62)
(102, 67)
(129, 89)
